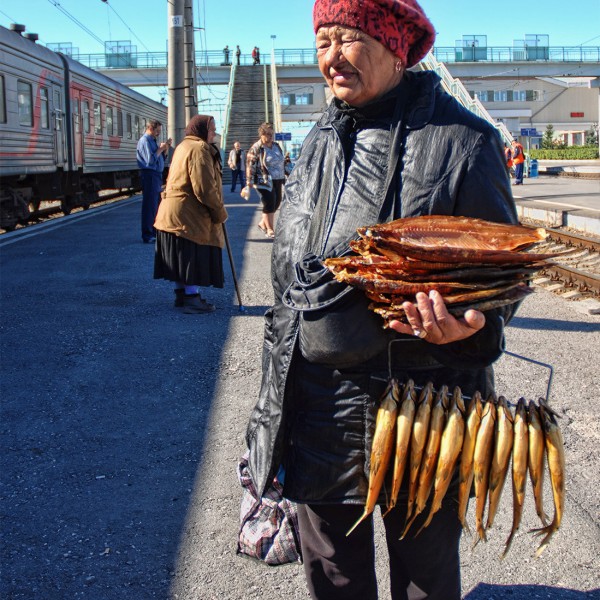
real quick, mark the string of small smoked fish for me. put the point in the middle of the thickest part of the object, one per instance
(434, 435)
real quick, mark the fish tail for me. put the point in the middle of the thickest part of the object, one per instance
(365, 514)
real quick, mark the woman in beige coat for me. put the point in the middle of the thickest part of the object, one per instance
(189, 227)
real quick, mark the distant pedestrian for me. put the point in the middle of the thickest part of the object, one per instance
(237, 164)
(265, 172)
(189, 221)
(255, 56)
(151, 161)
(238, 54)
(518, 158)
(508, 157)
(226, 55)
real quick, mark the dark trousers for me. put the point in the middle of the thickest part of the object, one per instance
(151, 186)
(235, 173)
(519, 173)
(343, 568)
(271, 199)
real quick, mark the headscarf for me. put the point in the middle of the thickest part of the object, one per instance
(400, 25)
(198, 126)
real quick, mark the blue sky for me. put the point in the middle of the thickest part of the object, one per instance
(252, 23)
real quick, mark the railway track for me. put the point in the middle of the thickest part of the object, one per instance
(576, 274)
(54, 209)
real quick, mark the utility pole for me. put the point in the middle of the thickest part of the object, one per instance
(176, 79)
(191, 84)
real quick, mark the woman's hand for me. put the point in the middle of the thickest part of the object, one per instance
(430, 320)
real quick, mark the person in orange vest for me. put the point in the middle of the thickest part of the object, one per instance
(518, 159)
(508, 157)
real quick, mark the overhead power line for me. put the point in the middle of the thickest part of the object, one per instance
(76, 21)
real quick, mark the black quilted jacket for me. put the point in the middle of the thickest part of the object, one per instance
(448, 162)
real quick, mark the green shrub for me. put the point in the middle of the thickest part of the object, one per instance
(569, 153)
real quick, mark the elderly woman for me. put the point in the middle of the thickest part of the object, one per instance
(391, 144)
(265, 171)
(189, 227)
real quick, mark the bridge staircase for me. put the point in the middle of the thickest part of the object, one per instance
(250, 104)
(456, 88)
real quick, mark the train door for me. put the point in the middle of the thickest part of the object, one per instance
(77, 130)
(59, 127)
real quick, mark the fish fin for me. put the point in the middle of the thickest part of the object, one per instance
(410, 522)
(365, 514)
(508, 544)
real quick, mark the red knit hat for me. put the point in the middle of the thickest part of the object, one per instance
(400, 25)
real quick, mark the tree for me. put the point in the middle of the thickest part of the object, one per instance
(548, 139)
(591, 136)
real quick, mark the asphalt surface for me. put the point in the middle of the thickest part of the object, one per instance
(122, 421)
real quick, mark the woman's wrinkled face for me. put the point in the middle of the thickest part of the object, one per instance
(357, 68)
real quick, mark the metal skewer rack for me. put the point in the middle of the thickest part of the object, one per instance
(506, 352)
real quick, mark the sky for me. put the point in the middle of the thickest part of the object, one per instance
(252, 23)
(220, 22)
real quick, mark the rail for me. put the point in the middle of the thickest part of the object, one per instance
(228, 110)
(308, 56)
(277, 122)
(455, 88)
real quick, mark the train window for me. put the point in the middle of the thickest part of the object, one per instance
(44, 114)
(2, 101)
(120, 123)
(136, 127)
(25, 103)
(110, 129)
(128, 126)
(97, 119)
(86, 116)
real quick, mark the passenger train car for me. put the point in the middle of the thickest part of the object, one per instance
(66, 131)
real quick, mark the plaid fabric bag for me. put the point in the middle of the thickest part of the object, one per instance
(268, 525)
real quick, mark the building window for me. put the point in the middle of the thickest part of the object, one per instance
(24, 103)
(2, 100)
(129, 133)
(44, 113)
(304, 99)
(86, 116)
(97, 119)
(110, 130)
(285, 99)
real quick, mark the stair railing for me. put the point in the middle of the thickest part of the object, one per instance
(277, 122)
(228, 110)
(456, 88)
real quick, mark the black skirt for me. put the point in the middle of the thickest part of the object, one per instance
(181, 260)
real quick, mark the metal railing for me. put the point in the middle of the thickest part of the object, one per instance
(275, 94)
(455, 88)
(308, 56)
(228, 111)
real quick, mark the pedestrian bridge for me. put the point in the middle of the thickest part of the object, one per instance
(150, 68)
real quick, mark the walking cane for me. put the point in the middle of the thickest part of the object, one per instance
(235, 281)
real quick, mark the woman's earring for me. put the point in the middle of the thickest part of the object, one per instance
(399, 66)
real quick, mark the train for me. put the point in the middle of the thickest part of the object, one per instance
(66, 131)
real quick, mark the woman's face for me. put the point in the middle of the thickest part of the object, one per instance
(266, 137)
(357, 68)
(212, 130)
